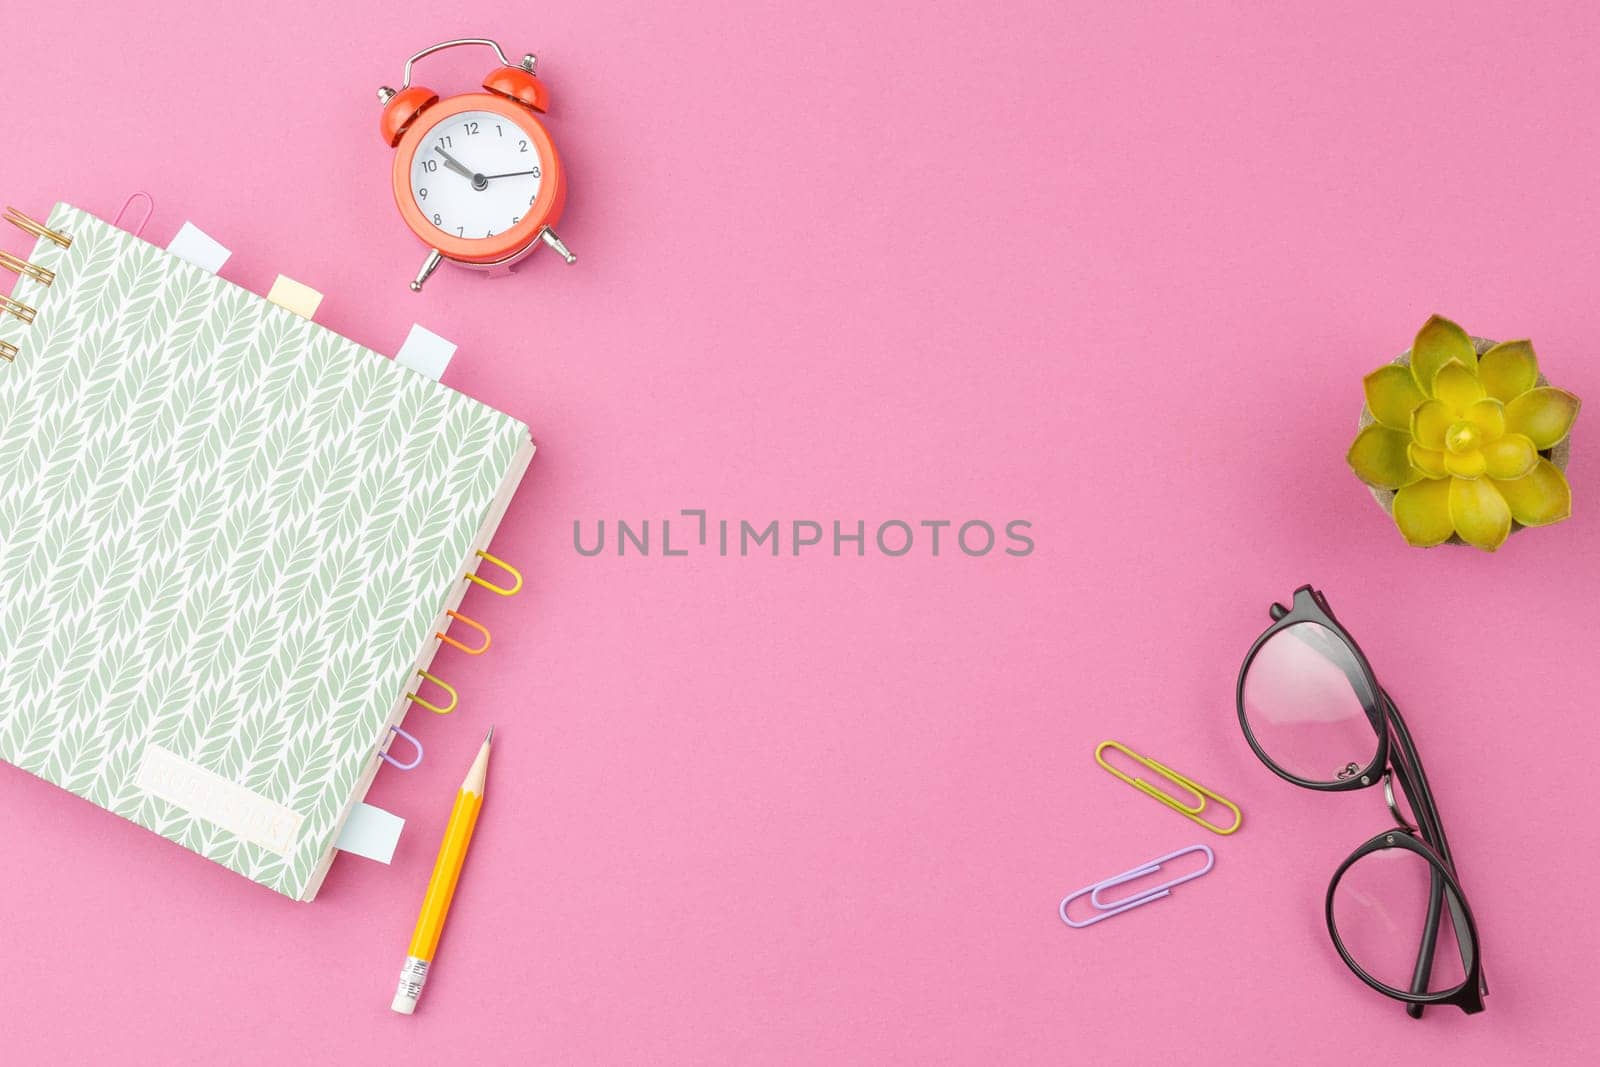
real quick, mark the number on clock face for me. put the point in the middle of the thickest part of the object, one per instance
(475, 174)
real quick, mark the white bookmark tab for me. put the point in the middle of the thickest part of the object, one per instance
(198, 247)
(425, 352)
(371, 832)
(297, 297)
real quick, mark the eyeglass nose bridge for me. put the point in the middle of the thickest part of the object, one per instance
(1394, 807)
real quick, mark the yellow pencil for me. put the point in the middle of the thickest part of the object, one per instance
(442, 886)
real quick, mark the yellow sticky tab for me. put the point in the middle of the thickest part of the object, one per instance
(300, 299)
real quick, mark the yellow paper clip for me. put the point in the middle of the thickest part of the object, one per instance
(500, 589)
(8, 351)
(1187, 810)
(442, 684)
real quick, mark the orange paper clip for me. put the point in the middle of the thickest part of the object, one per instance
(1189, 811)
(478, 626)
(503, 565)
(442, 684)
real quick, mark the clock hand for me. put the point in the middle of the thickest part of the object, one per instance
(508, 174)
(455, 164)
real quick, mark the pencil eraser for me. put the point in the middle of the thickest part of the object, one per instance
(296, 296)
(412, 977)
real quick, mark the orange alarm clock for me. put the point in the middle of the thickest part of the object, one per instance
(476, 176)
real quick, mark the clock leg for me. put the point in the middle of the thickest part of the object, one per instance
(548, 236)
(428, 267)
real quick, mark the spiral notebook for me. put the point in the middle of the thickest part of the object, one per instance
(230, 543)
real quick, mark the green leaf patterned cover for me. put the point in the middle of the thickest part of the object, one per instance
(225, 531)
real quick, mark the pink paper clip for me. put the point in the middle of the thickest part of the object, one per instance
(150, 209)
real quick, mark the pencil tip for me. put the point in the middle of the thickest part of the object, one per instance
(486, 740)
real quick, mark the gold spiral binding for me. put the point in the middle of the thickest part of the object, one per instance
(16, 307)
(35, 227)
(20, 266)
(23, 269)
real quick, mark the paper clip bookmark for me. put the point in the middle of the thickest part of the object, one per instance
(8, 351)
(416, 747)
(483, 646)
(1189, 811)
(134, 198)
(1104, 910)
(455, 698)
(511, 590)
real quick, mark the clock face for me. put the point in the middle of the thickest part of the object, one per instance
(475, 174)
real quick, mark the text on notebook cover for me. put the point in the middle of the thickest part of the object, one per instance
(209, 796)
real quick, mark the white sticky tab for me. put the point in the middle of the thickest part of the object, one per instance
(371, 832)
(425, 352)
(300, 299)
(198, 247)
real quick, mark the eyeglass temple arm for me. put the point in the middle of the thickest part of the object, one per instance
(1407, 767)
(1414, 781)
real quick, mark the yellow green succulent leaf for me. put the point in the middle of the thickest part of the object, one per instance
(1392, 395)
(1540, 497)
(1426, 460)
(1545, 415)
(1437, 343)
(1430, 422)
(1489, 417)
(1509, 457)
(1466, 464)
(1508, 370)
(1422, 512)
(1457, 386)
(1378, 456)
(1479, 513)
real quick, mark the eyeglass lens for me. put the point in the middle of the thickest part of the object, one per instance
(1380, 913)
(1303, 706)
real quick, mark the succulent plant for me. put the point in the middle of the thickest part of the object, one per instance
(1464, 439)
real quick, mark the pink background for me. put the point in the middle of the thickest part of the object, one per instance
(1116, 269)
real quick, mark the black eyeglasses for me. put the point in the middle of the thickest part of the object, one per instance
(1313, 712)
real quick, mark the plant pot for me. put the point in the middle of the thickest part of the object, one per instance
(1557, 455)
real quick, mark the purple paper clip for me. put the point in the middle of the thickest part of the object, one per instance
(1144, 896)
(396, 764)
